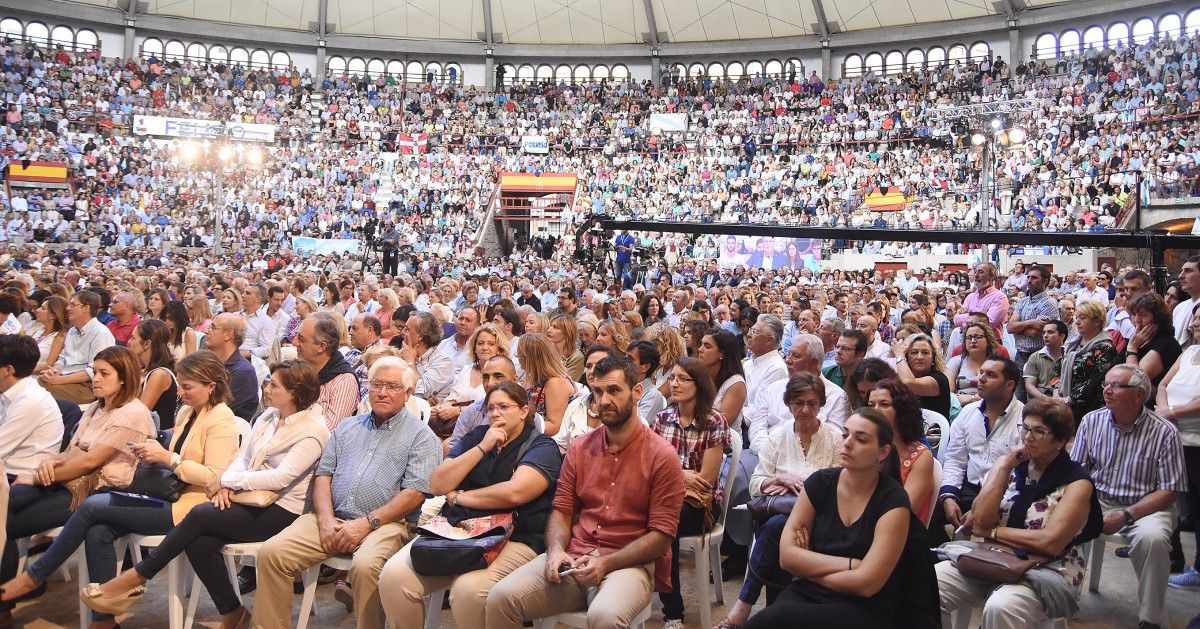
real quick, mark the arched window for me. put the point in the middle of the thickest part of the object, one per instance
(37, 32)
(936, 57)
(12, 27)
(544, 73)
(696, 70)
(356, 66)
(197, 52)
(395, 68)
(735, 70)
(260, 58)
(582, 74)
(525, 73)
(86, 39)
(436, 70)
(281, 60)
(620, 72)
(1118, 35)
(562, 73)
(1046, 46)
(375, 67)
(874, 63)
(980, 50)
(1191, 21)
(893, 63)
(414, 71)
(62, 35)
(915, 59)
(600, 72)
(1169, 25)
(754, 68)
(218, 54)
(174, 51)
(1093, 38)
(716, 71)
(852, 66)
(454, 73)
(239, 57)
(774, 67)
(958, 53)
(152, 46)
(336, 66)
(1068, 43)
(795, 65)
(1143, 31)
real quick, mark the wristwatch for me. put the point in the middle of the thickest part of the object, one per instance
(1129, 519)
(373, 521)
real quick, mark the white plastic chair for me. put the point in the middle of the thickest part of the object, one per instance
(1096, 561)
(433, 608)
(309, 578)
(579, 620)
(178, 575)
(244, 430)
(85, 612)
(246, 552)
(23, 554)
(934, 419)
(706, 548)
(937, 484)
(962, 620)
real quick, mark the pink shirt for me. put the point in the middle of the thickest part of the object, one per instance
(992, 301)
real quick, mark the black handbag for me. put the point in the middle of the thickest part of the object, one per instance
(763, 507)
(156, 481)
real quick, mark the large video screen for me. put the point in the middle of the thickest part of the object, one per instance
(768, 252)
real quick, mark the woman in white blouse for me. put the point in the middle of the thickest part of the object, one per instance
(50, 332)
(793, 452)
(262, 491)
(581, 415)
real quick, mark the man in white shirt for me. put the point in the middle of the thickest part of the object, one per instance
(456, 346)
(983, 432)
(260, 329)
(1091, 290)
(645, 359)
(71, 377)
(31, 426)
(869, 326)
(767, 366)
(1189, 277)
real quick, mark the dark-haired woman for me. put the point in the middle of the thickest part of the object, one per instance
(100, 457)
(261, 492)
(183, 337)
(1037, 499)
(501, 467)
(1153, 346)
(699, 434)
(896, 402)
(844, 539)
(160, 392)
(720, 353)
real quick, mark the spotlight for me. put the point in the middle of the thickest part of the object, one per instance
(997, 124)
(254, 157)
(1016, 135)
(188, 150)
(978, 139)
(225, 153)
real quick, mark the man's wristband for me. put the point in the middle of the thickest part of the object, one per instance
(1129, 519)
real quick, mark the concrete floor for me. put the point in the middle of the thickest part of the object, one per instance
(1114, 606)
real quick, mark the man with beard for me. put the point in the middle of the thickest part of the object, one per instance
(618, 553)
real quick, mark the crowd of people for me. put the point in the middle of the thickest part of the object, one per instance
(324, 406)
(334, 414)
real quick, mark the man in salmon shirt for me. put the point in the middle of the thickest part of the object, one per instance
(611, 527)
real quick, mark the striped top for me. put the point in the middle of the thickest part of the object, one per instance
(1127, 465)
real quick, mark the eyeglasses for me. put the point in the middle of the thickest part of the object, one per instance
(810, 404)
(680, 379)
(1037, 433)
(391, 388)
(500, 408)
(1120, 385)
(974, 337)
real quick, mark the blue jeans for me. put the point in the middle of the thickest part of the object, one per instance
(31, 510)
(764, 563)
(99, 521)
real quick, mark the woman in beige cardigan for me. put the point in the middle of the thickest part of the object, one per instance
(259, 495)
(204, 442)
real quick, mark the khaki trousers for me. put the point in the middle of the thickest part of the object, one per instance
(403, 591)
(78, 392)
(298, 547)
(527, 595)
(1150, 551)
(1005, 606)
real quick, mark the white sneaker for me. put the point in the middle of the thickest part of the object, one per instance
(673, 624)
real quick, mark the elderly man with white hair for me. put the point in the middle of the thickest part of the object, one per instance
(1135, 459)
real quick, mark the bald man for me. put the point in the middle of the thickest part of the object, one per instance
(225, 336)
(869, 326)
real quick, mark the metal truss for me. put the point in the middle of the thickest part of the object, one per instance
(982, 110)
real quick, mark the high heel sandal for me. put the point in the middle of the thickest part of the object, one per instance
(95, 599)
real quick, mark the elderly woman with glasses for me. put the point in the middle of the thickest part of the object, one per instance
(1035, 498)
(504, 466)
